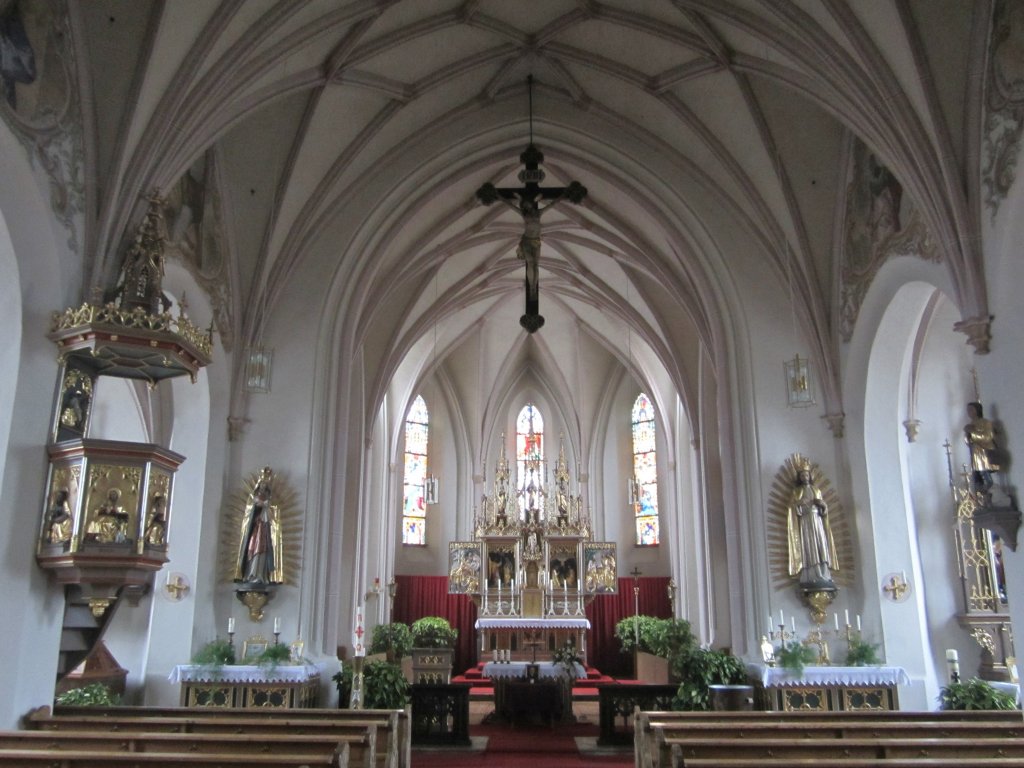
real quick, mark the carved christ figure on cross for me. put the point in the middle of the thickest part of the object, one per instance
(526, 201)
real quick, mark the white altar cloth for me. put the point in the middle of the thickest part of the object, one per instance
(243, 673)
(779, 677)
(498, 670)
(519, 622)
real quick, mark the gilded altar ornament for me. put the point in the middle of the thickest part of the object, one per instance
(261, 539)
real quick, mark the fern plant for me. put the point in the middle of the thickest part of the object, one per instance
(974, 694)
(796, 656)
(274, 655)
(861, 653)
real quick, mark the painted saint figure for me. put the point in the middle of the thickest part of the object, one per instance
(156, 525)
(812, 551)
(259, 558)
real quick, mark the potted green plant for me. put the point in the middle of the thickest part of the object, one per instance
(861, 653)
(699, 671)
(974, 694)
(384, 686)
(433, 640)
(394, 640)
(629, 628)
(650, 659)
(214, 655)
(796, 656)
(91, 695)
(274, 655)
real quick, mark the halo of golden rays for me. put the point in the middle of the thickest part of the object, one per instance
(286, 499)
(778, 509)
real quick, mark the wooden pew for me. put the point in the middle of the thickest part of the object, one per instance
(45, 758)
(683, 751)
(853, 762)
(651, 729)
(386, 750)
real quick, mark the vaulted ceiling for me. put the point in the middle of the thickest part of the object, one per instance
(712, 135)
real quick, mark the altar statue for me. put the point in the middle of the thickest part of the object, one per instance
(979, 434)
(260, 551)
(812, 551)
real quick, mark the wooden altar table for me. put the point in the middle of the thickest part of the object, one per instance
(547, 695)
(246, 685)
(828, 689)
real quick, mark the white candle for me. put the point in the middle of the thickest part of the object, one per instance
(903, 576)
(952, 655)
(792, 620)
(277, 625)
(513, 587)
(847, 615)
(858, 622)
(836, 615)
(231, 625)
(769, 622)
(495, 654)
(782, 618)
(499, 585)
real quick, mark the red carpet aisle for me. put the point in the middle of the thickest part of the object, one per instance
(524, 747)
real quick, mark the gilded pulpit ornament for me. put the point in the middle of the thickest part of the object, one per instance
(527, 202)
(805, 523)
(262, 537)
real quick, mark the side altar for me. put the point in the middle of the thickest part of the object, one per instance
(523, 566)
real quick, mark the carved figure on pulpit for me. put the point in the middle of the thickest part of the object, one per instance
(156, 524)
(60, 519)
(110, 521)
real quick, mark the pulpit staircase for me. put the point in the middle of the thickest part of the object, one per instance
(81, 632)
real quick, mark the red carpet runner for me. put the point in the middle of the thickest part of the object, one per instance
(523, 747)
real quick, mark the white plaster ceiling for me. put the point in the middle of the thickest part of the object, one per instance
(352, 136)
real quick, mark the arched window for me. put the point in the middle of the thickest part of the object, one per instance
(529, 454)
(414, 506)
(644, 490)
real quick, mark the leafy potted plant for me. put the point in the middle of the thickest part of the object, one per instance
(702, 669)
(384, 686)
(214, 655)
(796, 656)
(861, 653)
(91, 695)
(394, 640)
(274, 655)
(974, 694)
(433, 640)
(656, 638)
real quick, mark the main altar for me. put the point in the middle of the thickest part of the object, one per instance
(523, 565)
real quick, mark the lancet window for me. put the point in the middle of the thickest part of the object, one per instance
(529, 453)
(414, 506)
(644, 484)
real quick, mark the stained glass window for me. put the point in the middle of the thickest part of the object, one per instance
(644, 486)
(414, 507)
(529, 453)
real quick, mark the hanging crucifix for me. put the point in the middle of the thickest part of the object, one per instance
(528, 201)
